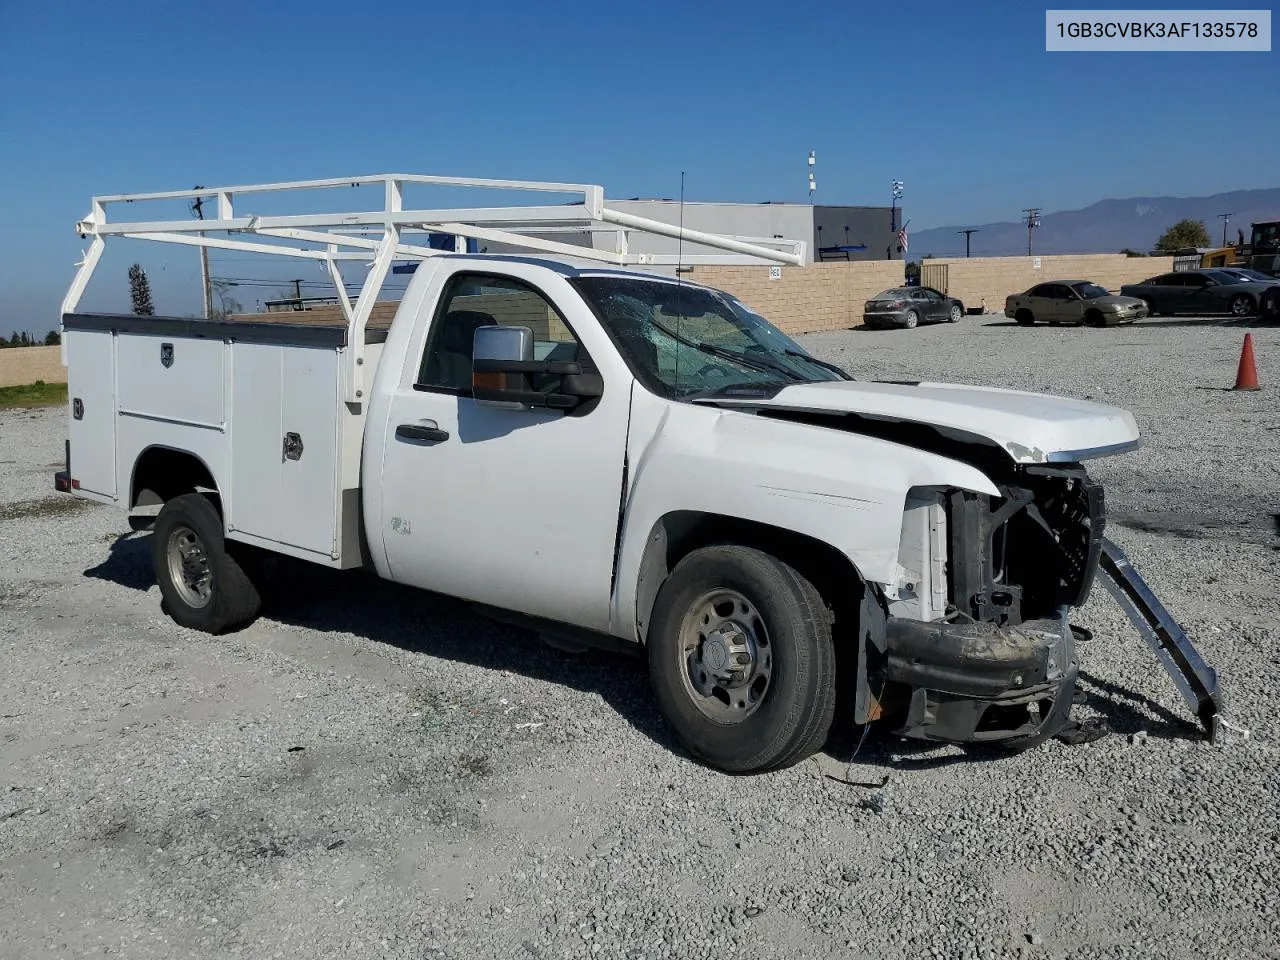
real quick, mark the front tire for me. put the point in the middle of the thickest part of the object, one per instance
(1242, 306)
(956, 313)
(203, 585)
(742, 660)
(1024, 318)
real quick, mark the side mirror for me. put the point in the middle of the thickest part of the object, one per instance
(504, 373)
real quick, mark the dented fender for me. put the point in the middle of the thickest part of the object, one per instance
(845, 490)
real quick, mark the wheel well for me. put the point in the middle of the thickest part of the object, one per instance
(1021, 312)
(678, 534)
(161, 473)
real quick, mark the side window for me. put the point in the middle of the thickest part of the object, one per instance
(1043, 290)
(471, 301)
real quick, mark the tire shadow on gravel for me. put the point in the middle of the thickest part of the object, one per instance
(418, 621)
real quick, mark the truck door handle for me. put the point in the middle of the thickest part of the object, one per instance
(427, 430)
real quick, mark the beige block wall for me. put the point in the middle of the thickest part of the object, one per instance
(20, 366)
(994, 278)
(823, 296)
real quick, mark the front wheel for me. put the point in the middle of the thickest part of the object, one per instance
(1241, 306)
(203, 585)
(1024, 318)
(742, 661)
(956, 313)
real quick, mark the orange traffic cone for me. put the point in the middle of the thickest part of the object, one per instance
(1247, 375)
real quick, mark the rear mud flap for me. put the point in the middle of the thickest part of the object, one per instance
(1197, 681)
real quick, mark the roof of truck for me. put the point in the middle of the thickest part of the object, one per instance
(567, 266)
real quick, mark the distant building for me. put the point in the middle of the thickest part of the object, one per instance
(830, 232)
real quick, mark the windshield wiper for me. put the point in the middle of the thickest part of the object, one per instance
(821, 363)
(759, 364)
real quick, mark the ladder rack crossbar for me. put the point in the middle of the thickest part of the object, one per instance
(380, 235)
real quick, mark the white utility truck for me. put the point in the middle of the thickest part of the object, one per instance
(613, 455)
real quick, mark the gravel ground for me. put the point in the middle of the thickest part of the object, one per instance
(370, 771)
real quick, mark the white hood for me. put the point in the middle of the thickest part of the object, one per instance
(1030, 427)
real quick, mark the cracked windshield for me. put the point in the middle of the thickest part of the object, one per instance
(692, 342)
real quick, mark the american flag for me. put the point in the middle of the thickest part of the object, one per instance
(902, 239)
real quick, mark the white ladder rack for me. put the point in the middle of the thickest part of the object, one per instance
(380, 236)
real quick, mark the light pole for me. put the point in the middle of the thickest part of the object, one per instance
(1033, 221)
(966, 237)
(896, 187)
(1225, 218)
(813, 159)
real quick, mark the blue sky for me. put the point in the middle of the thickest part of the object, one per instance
(959, 100)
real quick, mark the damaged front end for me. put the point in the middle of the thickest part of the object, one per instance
(974, 642)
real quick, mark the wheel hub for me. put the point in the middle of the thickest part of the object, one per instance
(727, 656)
(189, 568)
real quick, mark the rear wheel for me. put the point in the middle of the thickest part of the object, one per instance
(913, 320)
(203, 585)
(742, 660)
(1024, 318)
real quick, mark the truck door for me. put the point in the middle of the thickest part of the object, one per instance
(516, 508)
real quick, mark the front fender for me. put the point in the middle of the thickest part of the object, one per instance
(843, 489)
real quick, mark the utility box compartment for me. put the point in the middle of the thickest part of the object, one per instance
(257, 404)
(91, 399)
(284, 450)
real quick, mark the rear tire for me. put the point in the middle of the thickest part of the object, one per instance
(913, 320)
(742, 661)
(1024, 318)
(204, 587)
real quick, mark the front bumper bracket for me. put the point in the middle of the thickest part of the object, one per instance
(1196, 681)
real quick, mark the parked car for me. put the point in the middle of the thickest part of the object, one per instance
(910, 306)
(1074, 302)
(1245, 273)
(1199, 292)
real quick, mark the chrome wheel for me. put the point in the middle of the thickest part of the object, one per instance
(913, 319)
(1241, 306)
(727, 659)
(955, 313)
(189, 568)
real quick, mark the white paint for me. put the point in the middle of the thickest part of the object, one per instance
(91, 379)
(1031, 427)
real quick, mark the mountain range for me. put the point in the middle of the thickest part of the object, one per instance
(1108, 226)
